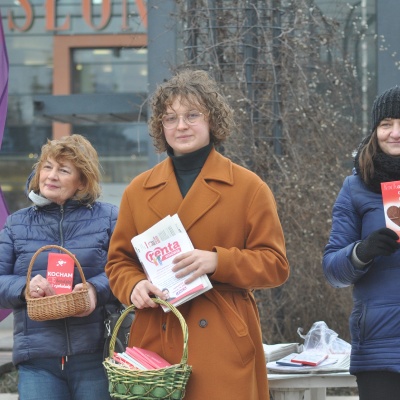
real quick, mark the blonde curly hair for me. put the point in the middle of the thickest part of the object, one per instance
(79, 151)
(192, 87)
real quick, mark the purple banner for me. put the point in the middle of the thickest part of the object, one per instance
(3, 108)
(3, 215)
(3, 114)
(4, 314)
(3, 81)
(3, 209)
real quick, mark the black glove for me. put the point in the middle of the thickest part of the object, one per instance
(382, 242)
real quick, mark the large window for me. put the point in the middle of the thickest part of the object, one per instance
(109, 70)
(122, 146)
(32, 46)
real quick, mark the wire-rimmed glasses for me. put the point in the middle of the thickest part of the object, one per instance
(171, 120)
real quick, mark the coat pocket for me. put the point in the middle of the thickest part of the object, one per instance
(379, 319)
(235, 326)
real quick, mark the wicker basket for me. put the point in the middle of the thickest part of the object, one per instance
(164, 383)
(57, 306)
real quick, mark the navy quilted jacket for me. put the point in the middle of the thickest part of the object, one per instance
(375, 319)
(83, 230)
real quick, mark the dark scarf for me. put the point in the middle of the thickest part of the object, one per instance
(386, 169)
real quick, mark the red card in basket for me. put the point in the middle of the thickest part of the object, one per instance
(60, 272)
(391, 205)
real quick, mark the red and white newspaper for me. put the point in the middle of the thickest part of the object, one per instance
(156, 248)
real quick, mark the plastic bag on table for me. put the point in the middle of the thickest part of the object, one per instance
(323, 339)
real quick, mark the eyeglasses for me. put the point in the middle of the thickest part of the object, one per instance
(170, 121)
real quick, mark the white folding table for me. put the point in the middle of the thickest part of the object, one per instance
(311, 386)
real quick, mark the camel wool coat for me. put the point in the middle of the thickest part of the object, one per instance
(228, 210)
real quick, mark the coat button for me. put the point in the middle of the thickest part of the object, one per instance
(203, 323)
(164, 326)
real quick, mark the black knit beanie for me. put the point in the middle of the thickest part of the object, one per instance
(386, 105)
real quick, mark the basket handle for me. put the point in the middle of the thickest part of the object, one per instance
(51, 246)
(172, 308)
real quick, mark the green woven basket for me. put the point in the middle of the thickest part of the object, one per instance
(165, 383)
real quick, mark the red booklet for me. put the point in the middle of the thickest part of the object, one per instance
(391, 205)
(148, 358)
(309, 358)
(133, 361)
(60, 272)
(119, 359)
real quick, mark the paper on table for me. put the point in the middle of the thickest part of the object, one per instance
(287, 361)
(274, 352)
(156, 248)
(312, 358)
(334, 363)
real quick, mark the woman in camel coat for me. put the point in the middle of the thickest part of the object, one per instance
(230, 216)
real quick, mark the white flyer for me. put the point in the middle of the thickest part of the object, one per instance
(156, 248)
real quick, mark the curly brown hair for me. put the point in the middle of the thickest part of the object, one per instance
(192, 87)
(79, 151)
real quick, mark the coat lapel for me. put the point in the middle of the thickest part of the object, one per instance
(200, 198)
(166, 198)
(203, 195)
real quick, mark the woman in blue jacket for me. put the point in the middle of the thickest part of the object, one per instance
(59, 359)
(363, 252)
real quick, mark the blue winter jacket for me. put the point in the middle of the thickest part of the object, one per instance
(83, 230)
(375, 318)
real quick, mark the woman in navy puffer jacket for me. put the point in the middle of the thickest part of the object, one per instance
(363, 252)
(59, 359)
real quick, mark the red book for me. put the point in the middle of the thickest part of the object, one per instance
(309, 358)
(148, 358)
(391, 205)
(60, 272)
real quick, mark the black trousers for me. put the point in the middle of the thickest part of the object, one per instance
(378, 385)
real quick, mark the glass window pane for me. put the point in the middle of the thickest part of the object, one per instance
(122, 148)
(116, 70)
(30, 50)
(30, 79)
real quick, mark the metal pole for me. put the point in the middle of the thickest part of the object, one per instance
(364, 68)
(162, 50)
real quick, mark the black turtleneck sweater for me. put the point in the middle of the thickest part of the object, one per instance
(188, 166)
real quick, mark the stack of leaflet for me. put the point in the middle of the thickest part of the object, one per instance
(274, 352)
(142, 359)
(156, 249)
(328, 364)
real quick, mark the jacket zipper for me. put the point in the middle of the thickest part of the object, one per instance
(60, 226)
(63, 359)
